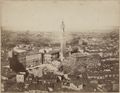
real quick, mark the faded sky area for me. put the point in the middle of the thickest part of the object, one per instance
(47, 15)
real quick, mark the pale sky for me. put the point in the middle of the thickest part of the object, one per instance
(47, 15)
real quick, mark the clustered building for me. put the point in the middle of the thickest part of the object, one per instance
(92, 63)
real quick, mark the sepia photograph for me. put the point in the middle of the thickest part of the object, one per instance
(60, 46)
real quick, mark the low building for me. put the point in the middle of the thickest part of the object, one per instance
(33, 60)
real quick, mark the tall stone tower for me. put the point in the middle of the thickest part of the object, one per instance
(63, 41)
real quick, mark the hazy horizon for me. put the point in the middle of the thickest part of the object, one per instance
(47, 15)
